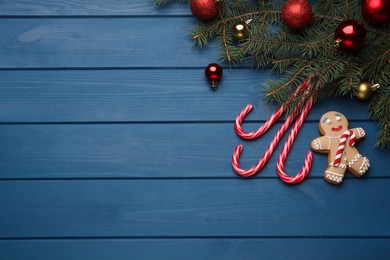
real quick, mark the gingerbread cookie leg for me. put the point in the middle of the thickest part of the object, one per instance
(334, 175)
(359, 165)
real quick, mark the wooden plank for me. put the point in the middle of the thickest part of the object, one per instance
(89, 8)
(283, 248)
(78, 43)
(142, 96)
(194, 208)
(153, 151)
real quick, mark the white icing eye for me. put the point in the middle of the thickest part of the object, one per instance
(328, 121)
(338, 118)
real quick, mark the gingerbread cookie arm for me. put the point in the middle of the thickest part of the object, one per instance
(359, 133)
(321, 144)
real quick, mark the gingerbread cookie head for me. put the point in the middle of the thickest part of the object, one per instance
(333, 124)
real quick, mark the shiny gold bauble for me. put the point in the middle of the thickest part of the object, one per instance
(365, 90)
(240, 30)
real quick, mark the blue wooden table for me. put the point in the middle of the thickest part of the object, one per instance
(113, 146)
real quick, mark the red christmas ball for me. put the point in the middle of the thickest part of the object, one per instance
(350, 35)
(376, 11)
(213, 73)
(205, 10)
(297, 14)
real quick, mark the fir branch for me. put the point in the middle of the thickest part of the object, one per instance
(374, 30)
(348, 9)
(211, 26)
(225, 42)
(237, 17)
(328, 17)
(380, 112)
(291, 80)
(377, 58)
(299, 55)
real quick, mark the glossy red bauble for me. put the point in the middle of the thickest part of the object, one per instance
(297, 14)
(376, 11)
(350, 35)
(205, 10)
(213, 73)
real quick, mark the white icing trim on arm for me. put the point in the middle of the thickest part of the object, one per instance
(361, 132)
(328, 142)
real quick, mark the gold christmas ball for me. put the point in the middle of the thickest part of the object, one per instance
(365, 90)
(240, 30)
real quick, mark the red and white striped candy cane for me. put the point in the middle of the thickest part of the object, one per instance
(271, 121)
(264, 159)
(287, 146)
(340, 149)
(259, 132)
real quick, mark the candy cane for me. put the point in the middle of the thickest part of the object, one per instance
(271, 121)
(340, 149)
(264, 159)
(259, 132)
(287, 146)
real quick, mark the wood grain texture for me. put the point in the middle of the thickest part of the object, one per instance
(153, 151)
(194, 208)
(143, 96)
(68, 8)
(194, 249)
(94, 43)
(113, 146)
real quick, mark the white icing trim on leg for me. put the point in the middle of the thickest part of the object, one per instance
(338, 174)
(354, 160)
(336, 177)
(342, 165)
(365, 165)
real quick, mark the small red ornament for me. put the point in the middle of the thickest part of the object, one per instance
(297, 14)
(213, 73)
(376, 11)
(205, 10)
(350, 35)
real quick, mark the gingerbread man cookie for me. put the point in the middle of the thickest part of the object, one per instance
(338, 142)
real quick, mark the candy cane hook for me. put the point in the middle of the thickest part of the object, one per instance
(259, 132)
(287, 146)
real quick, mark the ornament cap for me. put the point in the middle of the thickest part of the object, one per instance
(248, 21)
(214, 84)
(375, 86)
(337, 43)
